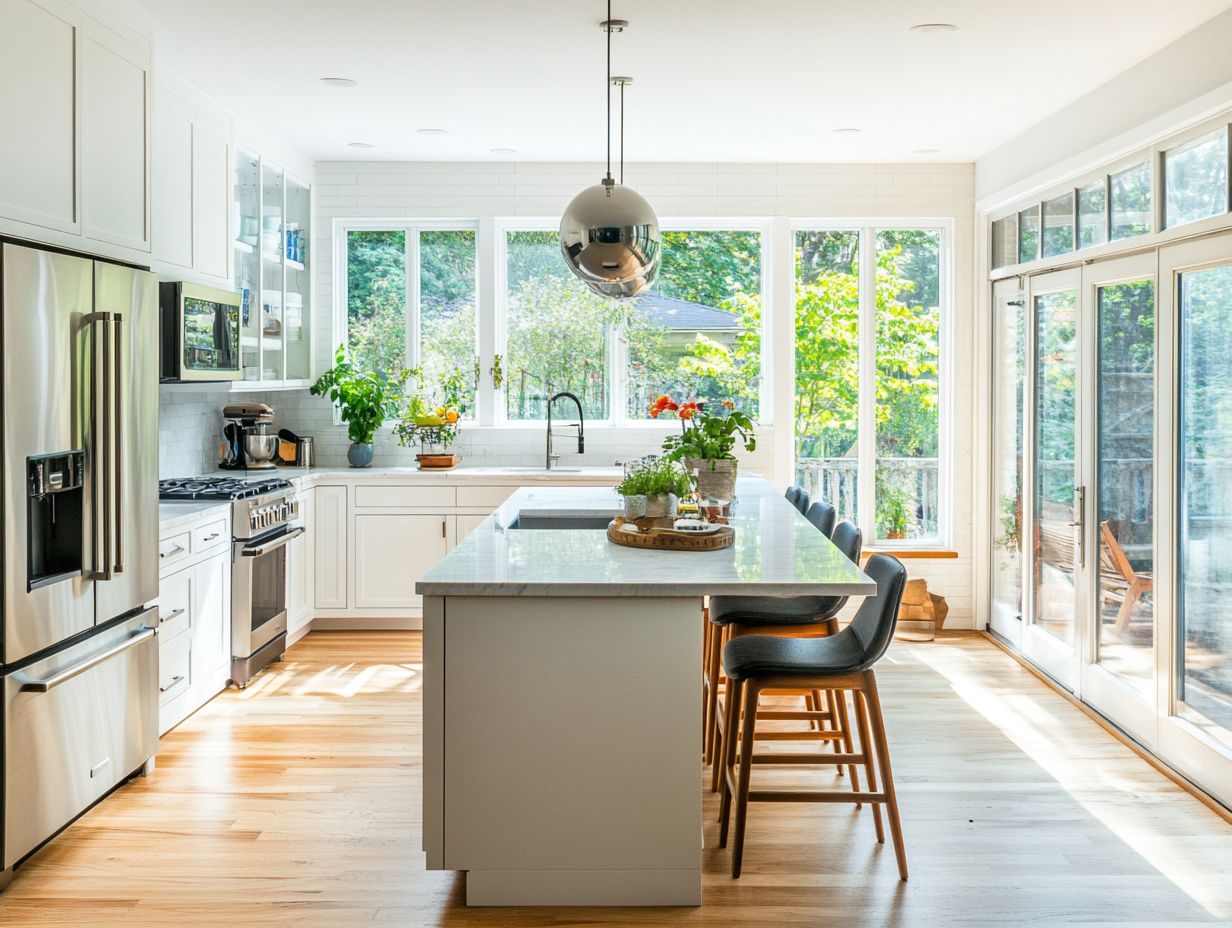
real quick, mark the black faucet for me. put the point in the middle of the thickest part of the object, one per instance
(580, 425)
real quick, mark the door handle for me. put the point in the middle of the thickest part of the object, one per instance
(118, 387)
(176, 550)
(46, 686)
(1080, 524)
(101, 444)
(274, 545)
(162, 619)
(174, 681)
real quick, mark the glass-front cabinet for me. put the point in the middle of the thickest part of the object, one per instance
(271, 226)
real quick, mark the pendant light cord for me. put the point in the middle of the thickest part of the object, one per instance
(608, 89)
(622, 132)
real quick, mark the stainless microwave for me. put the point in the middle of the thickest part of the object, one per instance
(200, 333)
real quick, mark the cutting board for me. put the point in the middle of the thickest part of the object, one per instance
(667, 539)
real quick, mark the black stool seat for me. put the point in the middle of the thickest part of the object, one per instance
(773, 610)
(772, 656)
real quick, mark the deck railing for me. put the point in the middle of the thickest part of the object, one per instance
(835, 481)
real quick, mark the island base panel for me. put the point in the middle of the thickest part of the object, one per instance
(584, 887)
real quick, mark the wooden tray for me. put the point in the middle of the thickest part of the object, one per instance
(664, 538)
(437, 461)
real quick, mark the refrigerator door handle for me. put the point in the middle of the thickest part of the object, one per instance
(50, 683)
(118, 440)
(101, 443)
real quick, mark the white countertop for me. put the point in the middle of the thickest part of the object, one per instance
(307, 476)
(172, 514)
(776, 552)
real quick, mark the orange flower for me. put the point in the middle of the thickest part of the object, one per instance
(687, 412)
(728, 404)
(663, 400)
(654, 412)
(670, 406)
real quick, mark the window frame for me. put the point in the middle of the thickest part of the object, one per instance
(411, 268)
(617, 350)
(866, 443)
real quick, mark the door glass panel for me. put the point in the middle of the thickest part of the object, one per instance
(248, 259)
(828, 366)
(273, 238)
(1028, 234)
(1004, 242)
(1126, 480)
(1059, 225)
(1056, 334)
(1205, 498)
(1196, 179)
(1093, 214)
(298, 294)
(1009, 377)
(1131, 202)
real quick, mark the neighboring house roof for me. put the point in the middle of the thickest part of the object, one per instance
(682, 315)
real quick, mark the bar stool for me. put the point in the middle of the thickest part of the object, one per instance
(790, 616)
(756, 663)
(798, 497)
(823, 516)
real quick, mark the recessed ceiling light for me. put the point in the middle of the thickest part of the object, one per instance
(432, 131)
(847, 130)
(338, 82)
(926, 151)
(360, 145)
(503, 151)
(933, 28)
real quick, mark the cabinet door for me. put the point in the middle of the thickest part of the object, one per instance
(392, 551)
(300, 588)
(115, 74)
(330, 510)
(38, 113)
(211, 162)
(171, 182)
(212, 631)
(467, 524)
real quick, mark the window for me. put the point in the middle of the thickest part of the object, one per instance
(1004, 242)
(1029, 234)
(1093, 214)
(881, 291)
(1196, 179)
(410, 300)
(1131, 201)
(698, 333)
(1059, 225)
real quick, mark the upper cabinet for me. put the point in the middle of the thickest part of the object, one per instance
(76, 114)
(272, 219)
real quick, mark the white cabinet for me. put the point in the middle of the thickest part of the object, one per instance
(392, 551)
(172, 181)
(301, 589)
(38, 113)
(194, 618)
(330, 550)
(211, 172)
(114, 150)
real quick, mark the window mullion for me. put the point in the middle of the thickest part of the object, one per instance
(411, 312)
(866, 443)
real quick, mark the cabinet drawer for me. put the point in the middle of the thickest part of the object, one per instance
(174, 669)
(483, 497)
(175, 605)
(395, 497)
(174, 548)
(209, 535)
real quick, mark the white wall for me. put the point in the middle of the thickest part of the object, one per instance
(1182, 83)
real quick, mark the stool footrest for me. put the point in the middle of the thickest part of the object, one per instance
(778, 795)
(814, 735)
(794, 715)
(840, 759)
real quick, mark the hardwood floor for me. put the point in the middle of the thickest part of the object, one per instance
(296, 803)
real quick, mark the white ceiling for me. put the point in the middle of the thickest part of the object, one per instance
(715, 80)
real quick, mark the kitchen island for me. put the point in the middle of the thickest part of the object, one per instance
(562, 717)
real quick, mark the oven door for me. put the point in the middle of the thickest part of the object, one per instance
(259, 591)
(209, 327)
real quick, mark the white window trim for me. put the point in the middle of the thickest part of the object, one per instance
(867, 228)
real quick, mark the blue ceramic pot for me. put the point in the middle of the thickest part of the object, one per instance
(359, 455)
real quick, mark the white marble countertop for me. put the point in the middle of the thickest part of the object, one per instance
(173, 514)
(310, 476)
(776, 552)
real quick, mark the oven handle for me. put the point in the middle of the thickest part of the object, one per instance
(46, 686)
(273, 545)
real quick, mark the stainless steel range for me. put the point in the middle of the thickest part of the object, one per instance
(263, 513)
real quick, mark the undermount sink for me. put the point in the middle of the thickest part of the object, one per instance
(543, 470)
(560, 521)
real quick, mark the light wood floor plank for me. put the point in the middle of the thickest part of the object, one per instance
(296, 803)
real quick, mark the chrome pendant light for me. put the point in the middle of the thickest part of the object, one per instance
(609, 234)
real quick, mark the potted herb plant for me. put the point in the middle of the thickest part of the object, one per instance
(364, 400)
(707, 443)
(651, 487)
(893, 512)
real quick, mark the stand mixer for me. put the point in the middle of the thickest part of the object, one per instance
(251, 442)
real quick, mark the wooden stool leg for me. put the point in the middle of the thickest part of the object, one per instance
(725, 761)
(710, 713)
(832, 708)
(844, 725)
(887, 778)
(747, 733)
(866, 748)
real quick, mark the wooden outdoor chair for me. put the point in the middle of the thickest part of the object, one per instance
(1117, 577)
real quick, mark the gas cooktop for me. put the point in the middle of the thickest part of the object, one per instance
(219, 488)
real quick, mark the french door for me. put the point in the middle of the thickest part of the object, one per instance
(1112, 492)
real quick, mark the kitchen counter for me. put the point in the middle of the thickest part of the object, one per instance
(776, 553)
(311, 476)
(173, 514)
(562, 732)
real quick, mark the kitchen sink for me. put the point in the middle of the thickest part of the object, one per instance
(559, 521)
(542, 470)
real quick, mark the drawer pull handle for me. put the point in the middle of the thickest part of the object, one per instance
(162, 619)
(46, 686)
(174, 682)
(178, 549)
(211, 537)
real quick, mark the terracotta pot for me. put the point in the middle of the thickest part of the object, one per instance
(715, 479)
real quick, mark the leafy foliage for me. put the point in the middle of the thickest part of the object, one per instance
(363, 398)
(705, 436)
(655, 476)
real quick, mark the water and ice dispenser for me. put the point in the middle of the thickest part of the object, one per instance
(55, 499)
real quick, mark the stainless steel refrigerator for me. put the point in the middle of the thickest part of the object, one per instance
(78, 657)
